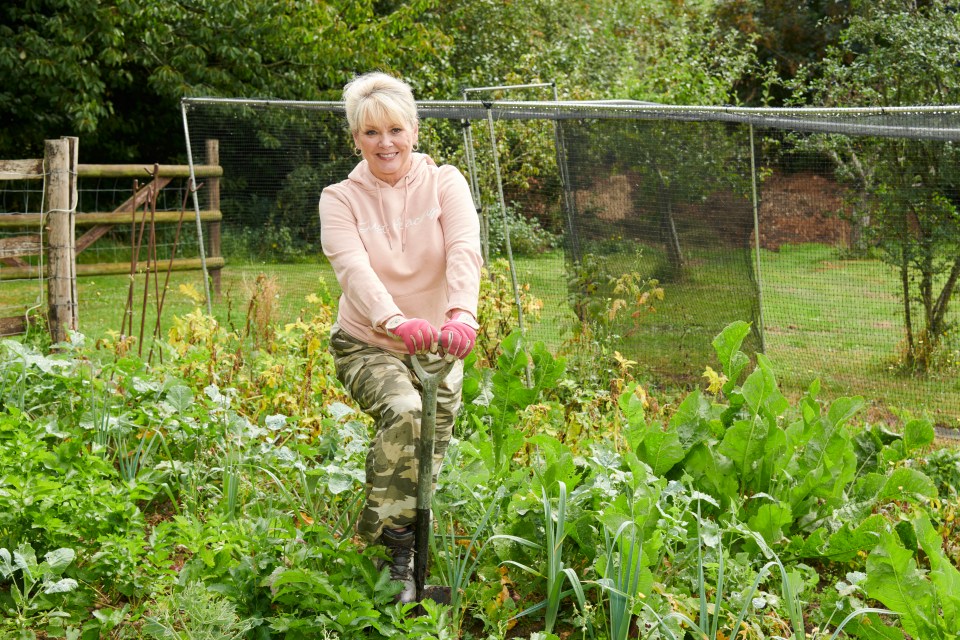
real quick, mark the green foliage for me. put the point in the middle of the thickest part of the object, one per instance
(557, 572)
(527, 237)
(276, 244)
(895, 53)
(624, 577)
(497, 310)
(724, 513)
(36, 588)
(196, 612)
(610, 305)
(929, 606)
(943, 467)
(892, 52)
(114, 72)
(788, 37)
(496, 398)
(458, 562)
(683, 55)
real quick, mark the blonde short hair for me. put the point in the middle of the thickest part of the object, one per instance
(376, 97)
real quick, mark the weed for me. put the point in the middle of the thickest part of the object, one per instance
(196, 613)
(36, 589)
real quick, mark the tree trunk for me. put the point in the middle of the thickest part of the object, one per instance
(907, 320)
(668, 229)
(943, 301)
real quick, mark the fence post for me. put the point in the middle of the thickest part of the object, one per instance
(59, 187)
(213, 191)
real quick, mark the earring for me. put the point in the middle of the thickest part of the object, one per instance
(416, 146)
(357, 152)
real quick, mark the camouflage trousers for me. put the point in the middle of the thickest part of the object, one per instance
(385, 387)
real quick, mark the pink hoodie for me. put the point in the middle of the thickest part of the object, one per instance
(411, 249)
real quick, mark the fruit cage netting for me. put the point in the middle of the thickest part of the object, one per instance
(645, 229)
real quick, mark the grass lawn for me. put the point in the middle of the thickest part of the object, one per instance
(836, 320)
(842, 321)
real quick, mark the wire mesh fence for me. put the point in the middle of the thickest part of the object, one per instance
(642, 230)
(19, 293)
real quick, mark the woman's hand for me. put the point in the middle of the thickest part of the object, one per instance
(457, 338)
(418, 335)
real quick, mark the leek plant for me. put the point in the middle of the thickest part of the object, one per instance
(456, 563)
(131, 462)
(708, 626)
(310, 503)
(624, 577)
(556, 571)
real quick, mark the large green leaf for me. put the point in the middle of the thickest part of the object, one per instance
(727, 345)
(824, 466)
(63, 585)
(771, 520)
(180, 398)
(908, 484)
(760, 390)
(850, 539)
(943, 574)
(713, 474)
(744, 443)
(692, 419)
(59, 559)
(661, 450)
(917, 434)
(894, 579)
(842, 409)
(547, 369)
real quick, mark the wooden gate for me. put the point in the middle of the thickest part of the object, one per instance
(60, 170)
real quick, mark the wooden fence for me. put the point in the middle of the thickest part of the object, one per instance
(60, 171)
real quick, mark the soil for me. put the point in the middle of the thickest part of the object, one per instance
(794, 208)
(802, 207)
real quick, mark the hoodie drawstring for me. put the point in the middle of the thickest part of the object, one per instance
(383, 217)
(403, 216)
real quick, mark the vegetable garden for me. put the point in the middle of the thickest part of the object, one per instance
(757, 459)
(212, 494)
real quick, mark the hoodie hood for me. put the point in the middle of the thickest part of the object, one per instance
(362, 177)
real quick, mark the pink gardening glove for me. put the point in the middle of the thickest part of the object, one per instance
(418, 335)
(457, 338)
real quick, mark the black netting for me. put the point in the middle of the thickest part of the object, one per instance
(786, 219)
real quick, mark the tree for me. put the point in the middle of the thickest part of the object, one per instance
(788, 34)
(113, 72)
(894, 53)
(668, 51)
(682, 55)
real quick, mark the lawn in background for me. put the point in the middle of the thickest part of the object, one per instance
(837, 320)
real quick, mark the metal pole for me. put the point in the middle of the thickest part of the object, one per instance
(196, 209)
(565, 183)
(506, 224)
(511, 86)
(475, 187)
(756, 235)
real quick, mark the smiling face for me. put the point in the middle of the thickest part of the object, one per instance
(387, 148)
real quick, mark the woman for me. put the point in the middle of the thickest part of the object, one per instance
(403, 238)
